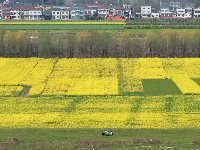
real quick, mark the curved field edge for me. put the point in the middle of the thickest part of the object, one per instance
(69, 139)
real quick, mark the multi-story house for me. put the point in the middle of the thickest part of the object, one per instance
(180, 13)
(1, 7)
(88, 13)
(184, 12)
(155, 15)
(196, 13)
(55, 12)
(127, 12)
(166, 13)
(24, 12)
(35, 13)
(77, 12)
(116, 10)
(15, 13)
(103, 12)
(6, 13)
(188, 12)
(65, 14)
(164, 9)
(145, 11)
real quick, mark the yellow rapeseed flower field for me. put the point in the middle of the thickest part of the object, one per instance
(95, 76)
(86, 93)
(97, 112)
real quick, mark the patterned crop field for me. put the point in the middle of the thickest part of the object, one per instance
(99, 76)
(99, 93)
(160, 112)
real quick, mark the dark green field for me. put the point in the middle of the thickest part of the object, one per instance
(160, 87)
(62, 27)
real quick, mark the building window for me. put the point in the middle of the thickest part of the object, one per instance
(58, 12)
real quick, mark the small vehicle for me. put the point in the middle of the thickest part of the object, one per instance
(107, 133)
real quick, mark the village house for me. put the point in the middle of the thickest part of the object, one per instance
(145, 11)
(155, 15)
(65, 14)
(165, 12)
(24, 12)
(94, 11)
(55, 12)
(116, 10)
(15, 13)
(35, 13)
(77, 12)
(180, 13)
(103, 12)
(6, 13)
(1, 11)
(197, 13)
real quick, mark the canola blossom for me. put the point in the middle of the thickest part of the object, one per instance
(94, 76)
(83, 77)
(96, 112)
(86, 93)
(9, 90)
(177, 71)
(152, 69)
(132, 81)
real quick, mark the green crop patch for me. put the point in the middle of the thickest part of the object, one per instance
(154, 87)
(62, 27)
(197, 81)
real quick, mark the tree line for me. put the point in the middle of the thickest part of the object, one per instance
(101, 44)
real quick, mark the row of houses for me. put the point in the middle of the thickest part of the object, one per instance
(165, 12)
(88, 11)
(76, 12)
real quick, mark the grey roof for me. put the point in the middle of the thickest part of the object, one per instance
(55, 9)
(47, 12)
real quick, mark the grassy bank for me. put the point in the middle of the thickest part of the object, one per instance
(19, 139)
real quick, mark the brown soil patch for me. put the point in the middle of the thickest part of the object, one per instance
(151, 140)
(2, 147)
(94, 144)
(14, 141)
